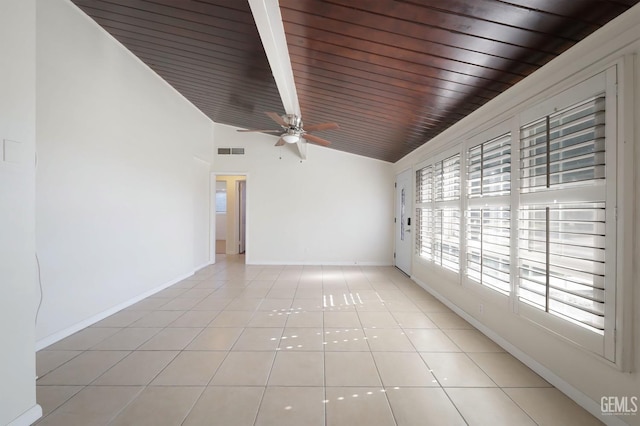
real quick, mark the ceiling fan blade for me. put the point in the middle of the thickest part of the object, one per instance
(280, 142)
(256, 130)
(315, 139)
(275, 117)
(321, 126)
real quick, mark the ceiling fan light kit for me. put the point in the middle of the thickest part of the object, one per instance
(291, 138)
(294, 131)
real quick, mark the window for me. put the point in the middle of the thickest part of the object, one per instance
(566, 259)
(488, 232)
(562, 261)
(424, 212)
(221, 196)
(564, 149)
(547, 242)
(438, 212)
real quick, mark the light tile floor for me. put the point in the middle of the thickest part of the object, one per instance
(291, 345)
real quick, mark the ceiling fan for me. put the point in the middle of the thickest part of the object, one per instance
(294, 131)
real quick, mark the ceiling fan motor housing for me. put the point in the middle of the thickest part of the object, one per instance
(293, 121)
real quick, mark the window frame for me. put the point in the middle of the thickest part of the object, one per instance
(506, 200)
(602, 82)
(433, 205)
(613, 347)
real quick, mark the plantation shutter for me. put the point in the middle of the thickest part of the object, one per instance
(447, 213)
(562, 245)
(564, 149)
(488, 228)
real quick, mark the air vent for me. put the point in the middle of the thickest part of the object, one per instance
(230, 151)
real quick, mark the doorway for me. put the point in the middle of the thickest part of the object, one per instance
(230, 219)
(403, 240)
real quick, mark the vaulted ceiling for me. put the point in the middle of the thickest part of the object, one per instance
(392, 73)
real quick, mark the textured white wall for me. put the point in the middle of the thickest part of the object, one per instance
(123, 177)
(17, 203)
(584, 376)
(333, 208)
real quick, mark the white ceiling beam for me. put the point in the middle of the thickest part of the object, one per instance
(268, 19)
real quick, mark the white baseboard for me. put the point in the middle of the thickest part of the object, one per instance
(28, 418)
(204, 265)
(53, 338)
(314, 263)
(580, 398)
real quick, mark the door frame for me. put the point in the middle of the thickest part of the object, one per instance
(398, 225)
(241, 217)
(212, 219)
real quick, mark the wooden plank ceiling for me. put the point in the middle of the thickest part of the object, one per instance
(392, 73)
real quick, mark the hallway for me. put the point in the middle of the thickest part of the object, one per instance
(239, 345)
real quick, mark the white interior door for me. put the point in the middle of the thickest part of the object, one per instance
(403, 234)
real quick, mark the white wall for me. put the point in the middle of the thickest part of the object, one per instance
(17, 224)
(123, 194)
(584, 376)
(333, 208)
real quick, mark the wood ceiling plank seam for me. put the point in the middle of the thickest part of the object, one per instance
(229, 4)
(356, 34)
(196, 11)
(429, 16)
(193, 92)
(385, 104)
(351, 76)
(380, 89)
(384, 92)
(381, 119)
(212, 110)
(345, 104)
(568, 9)
(383, 141)
(203, 96)
(430, 83)
(493, 47)
(216, 87)
(181, 33)
(231, 117)
(393, 51)
(497, 47)
(424, 45)
(168, 16)
(171, 51)
(427, 120)
(218, 90)
(375, 73)
(443, 16)
(228, 68)
(205, 73)
(559, 45)
(364, 59)
(441, 100)
(225, 53)
(362, 94)
(198, 94)
(517, 14)
(356, 123)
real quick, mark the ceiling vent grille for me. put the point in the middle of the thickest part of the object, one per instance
(230, 151)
